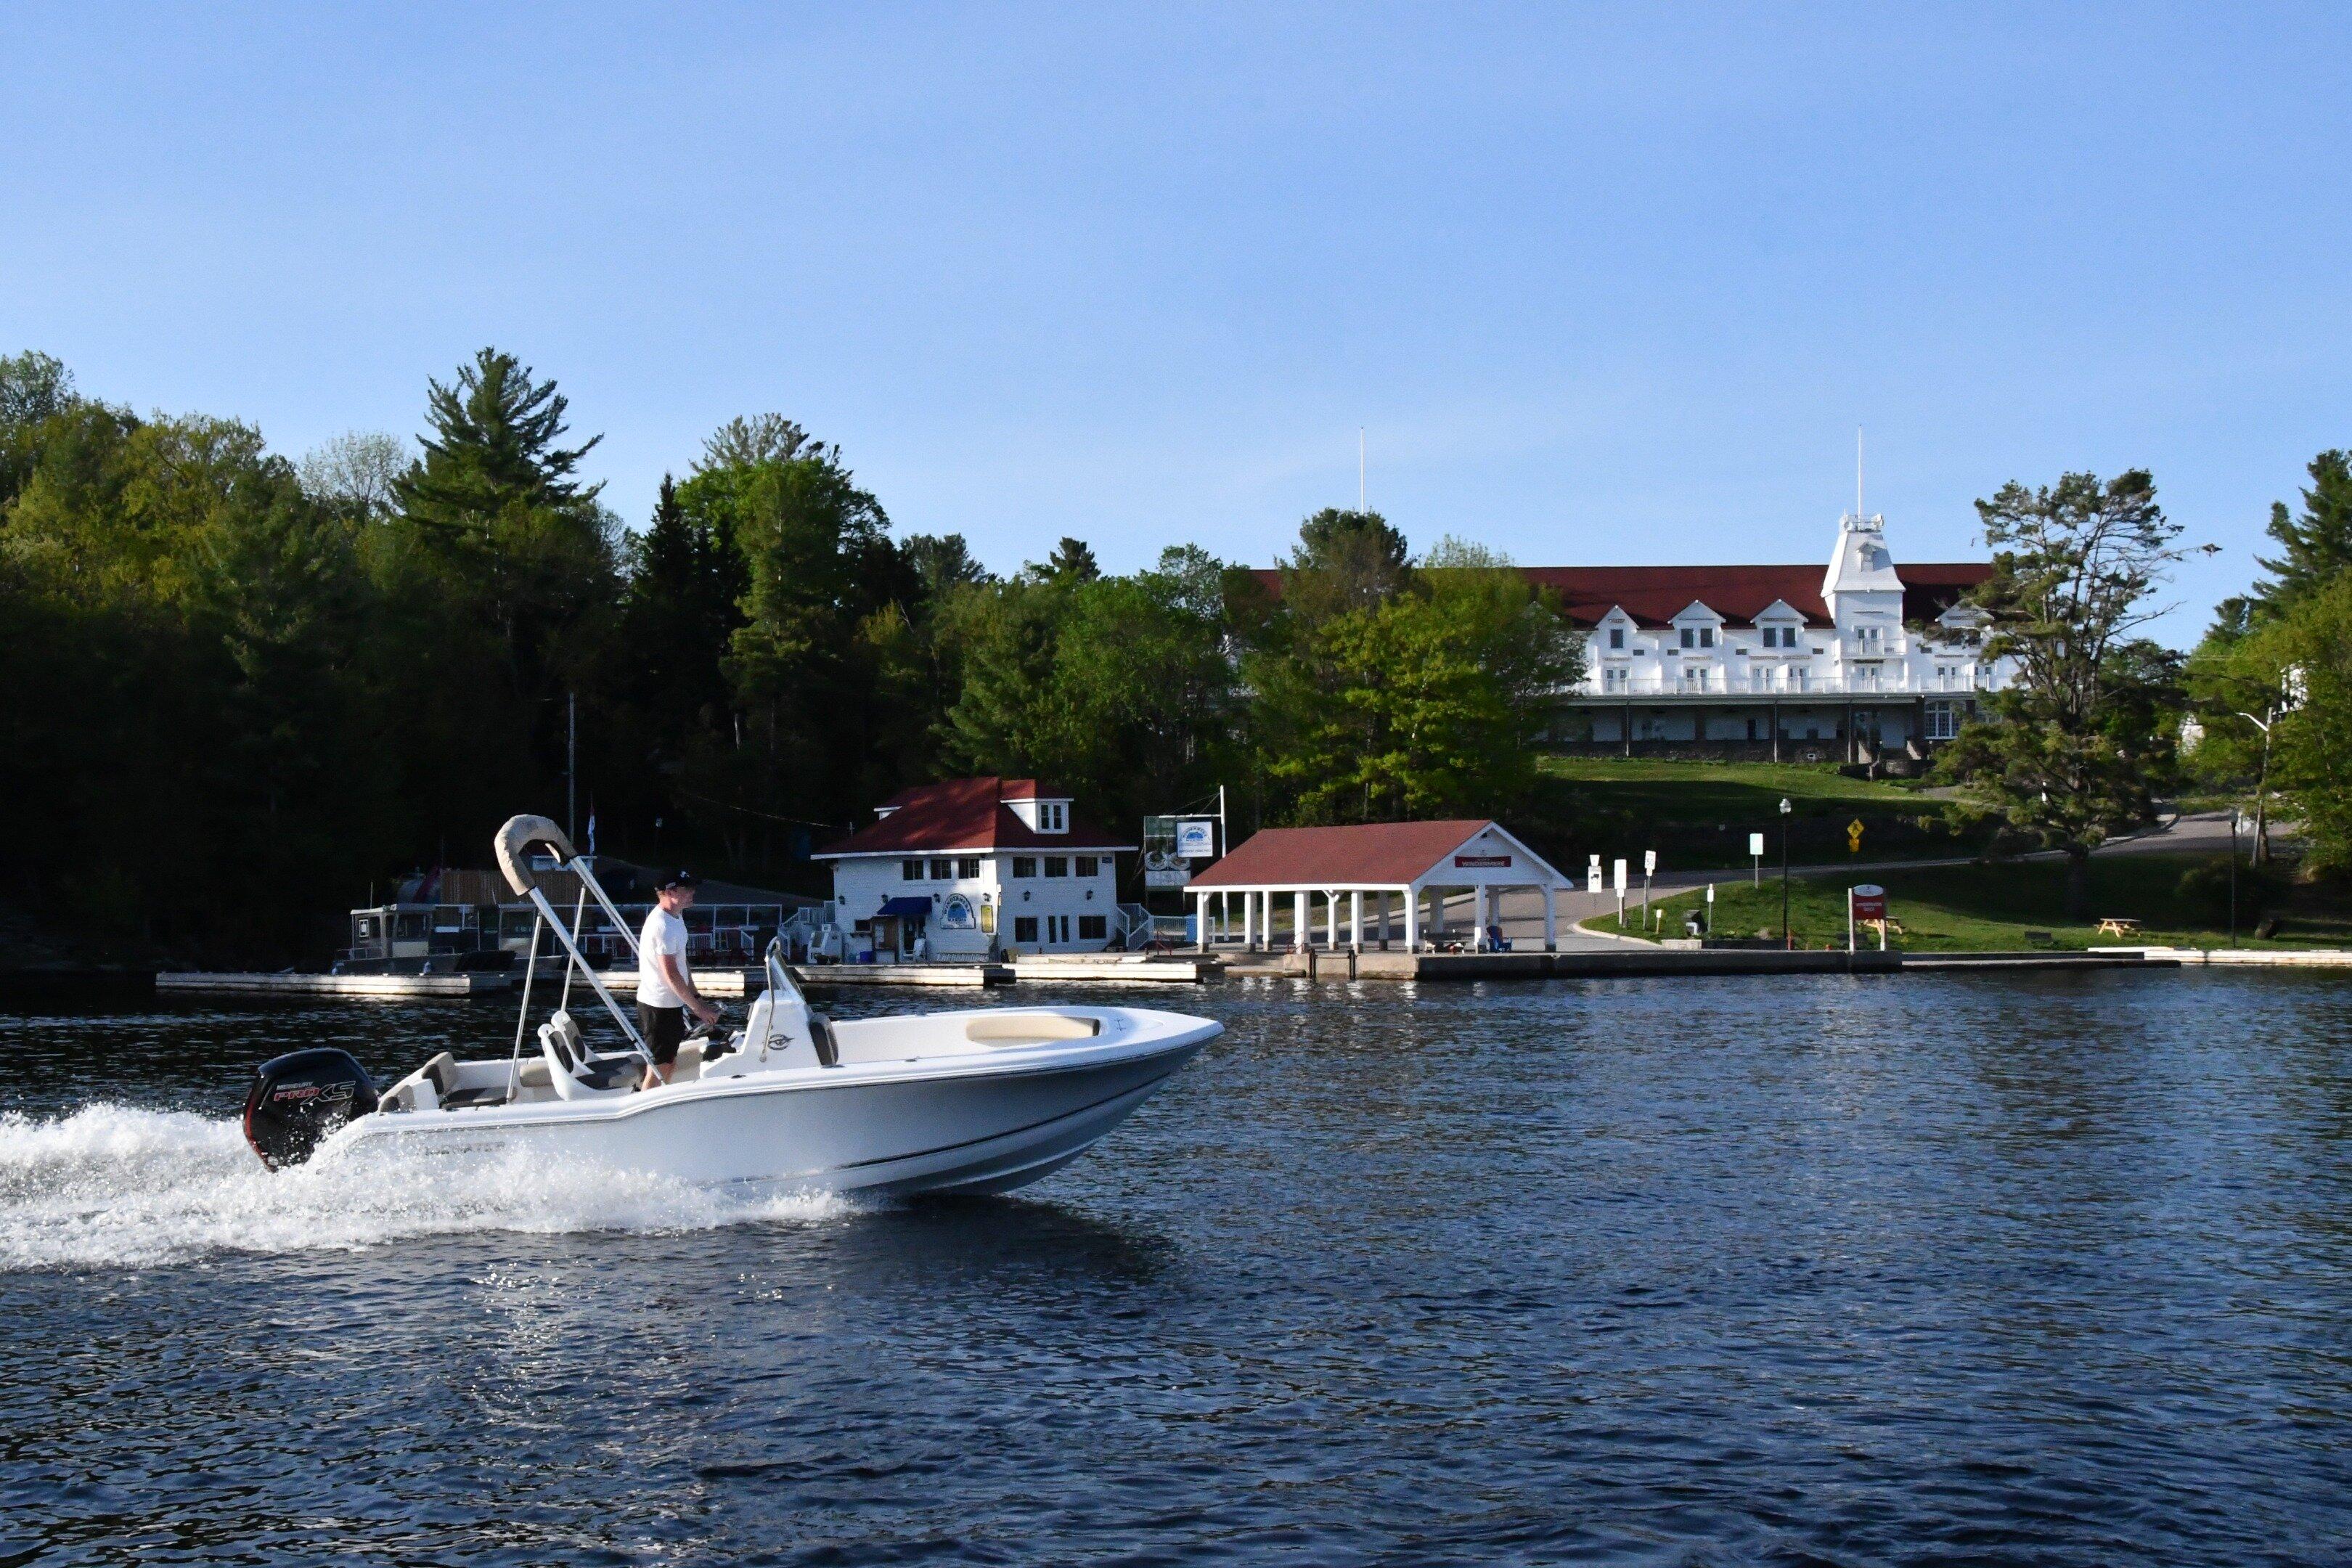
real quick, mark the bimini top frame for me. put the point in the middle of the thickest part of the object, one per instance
(514, 846)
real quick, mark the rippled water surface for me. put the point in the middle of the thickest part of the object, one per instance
(1958, 1269)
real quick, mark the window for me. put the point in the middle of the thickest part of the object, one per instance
(942, 870)
(1707, 637)
(1943, 721)
(1092, 927)
(1690, 636)
(1025, 928)
(1053, 816)
(911, 870)
(1025, 864)
(1057, 927)
(1617, 637)
(1866, 638)
(1057, 865)
(968, 869)
(1086, 865)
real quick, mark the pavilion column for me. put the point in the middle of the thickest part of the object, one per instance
(1478, 922)
(1249, 922)
(1384, 920)
(1412, 918)
(1437, 914)
(1551, 922)
(1301, 927)
(1200, 922)
(1356, 920)
(1330, 920)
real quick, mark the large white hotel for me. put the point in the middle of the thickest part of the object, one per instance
(1867, 662)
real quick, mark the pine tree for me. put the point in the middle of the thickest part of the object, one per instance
(2315, 547)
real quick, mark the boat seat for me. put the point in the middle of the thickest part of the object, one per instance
(461, 1099)
(1029, 1028)
(441, 1072)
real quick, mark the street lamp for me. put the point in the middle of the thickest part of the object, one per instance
(1788, 941)
(2235, 816)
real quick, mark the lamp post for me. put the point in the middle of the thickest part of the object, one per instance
(2234, 816)
(1788, 941)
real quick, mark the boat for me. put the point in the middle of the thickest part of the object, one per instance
(982, 1101)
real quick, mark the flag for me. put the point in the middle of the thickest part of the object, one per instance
(592, 827)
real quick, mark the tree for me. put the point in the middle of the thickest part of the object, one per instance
(1343, 560)
(944, 561)
(1427, 702)
(2082, 737)
(2309, 647)
(743, 443)
(1073, 560)
(1120, 689)
(519, 541)
(2315, 548)
(358, 473)
(34, 389)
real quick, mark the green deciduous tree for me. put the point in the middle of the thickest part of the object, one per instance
(1425, 701)
(1121, 689)
(2085, 735)
(2310, 646)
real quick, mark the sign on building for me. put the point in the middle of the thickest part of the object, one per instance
(1196, 838)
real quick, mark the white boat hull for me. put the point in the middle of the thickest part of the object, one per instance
(967, 1120)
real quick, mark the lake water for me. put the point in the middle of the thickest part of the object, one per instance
(1936, 1269)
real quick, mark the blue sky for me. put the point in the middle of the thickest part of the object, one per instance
(1602, 285)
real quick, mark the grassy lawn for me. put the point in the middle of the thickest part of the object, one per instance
(1990, 908)
(1700, 814)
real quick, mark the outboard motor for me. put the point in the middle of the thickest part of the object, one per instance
(299, 1097)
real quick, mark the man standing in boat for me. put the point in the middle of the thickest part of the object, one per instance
(666, 991)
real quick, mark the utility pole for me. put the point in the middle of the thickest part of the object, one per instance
(570, 764)
(1788, 938)
(2234, 814)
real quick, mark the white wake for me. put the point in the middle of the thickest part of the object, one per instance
(111, 1186)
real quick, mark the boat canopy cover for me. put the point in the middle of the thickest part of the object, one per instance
(905, 908)
(514, 843)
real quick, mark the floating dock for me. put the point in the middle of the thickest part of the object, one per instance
(1631, 961)
(387, 987)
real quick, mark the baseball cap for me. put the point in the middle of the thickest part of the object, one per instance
(676, 879)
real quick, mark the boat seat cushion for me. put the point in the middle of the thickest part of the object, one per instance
(534, 1075)
(1028, 1028)
(441, 1072)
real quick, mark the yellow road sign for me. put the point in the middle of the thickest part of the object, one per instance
(1853, 837)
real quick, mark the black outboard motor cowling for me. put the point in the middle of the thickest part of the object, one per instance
(299, 1097)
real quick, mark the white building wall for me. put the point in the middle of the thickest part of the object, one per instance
(997, 898)
(1866, 651)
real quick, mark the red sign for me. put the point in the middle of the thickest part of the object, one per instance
(1869, 902)
(1499, 861)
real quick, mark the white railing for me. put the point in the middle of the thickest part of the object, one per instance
(1786, 681)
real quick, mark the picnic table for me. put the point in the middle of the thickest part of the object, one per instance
(2119, 928)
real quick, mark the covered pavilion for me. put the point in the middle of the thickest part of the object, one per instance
(1407, 862)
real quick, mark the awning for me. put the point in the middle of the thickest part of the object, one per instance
(904, 909)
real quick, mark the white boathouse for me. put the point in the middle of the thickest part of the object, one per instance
(1377, 867)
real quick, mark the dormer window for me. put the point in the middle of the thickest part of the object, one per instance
(1053, 816)
(1617, 640)
(1698, 636)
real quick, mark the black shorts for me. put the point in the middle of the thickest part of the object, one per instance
(663, 1029)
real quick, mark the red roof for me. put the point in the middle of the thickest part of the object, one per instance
(963, 815)
(1654, 596)
(1393, 853)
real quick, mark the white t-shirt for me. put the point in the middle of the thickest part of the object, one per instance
(663, 933)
